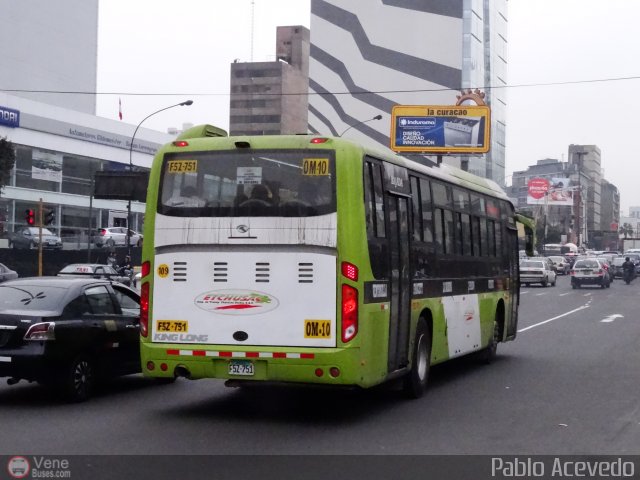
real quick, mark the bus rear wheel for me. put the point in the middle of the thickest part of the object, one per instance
(415, 383)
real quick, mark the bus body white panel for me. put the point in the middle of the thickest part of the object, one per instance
(319, 230)
(276, 288)
(462, 314)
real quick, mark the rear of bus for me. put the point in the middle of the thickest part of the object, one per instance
(243, 278)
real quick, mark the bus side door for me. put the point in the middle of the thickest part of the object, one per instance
(397, 193)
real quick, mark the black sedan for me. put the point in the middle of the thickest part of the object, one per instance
(94, 270)
(67, 333)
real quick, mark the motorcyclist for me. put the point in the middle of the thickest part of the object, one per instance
(126, 268)
(628, 268)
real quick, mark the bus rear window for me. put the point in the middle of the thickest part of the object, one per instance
(256, 184)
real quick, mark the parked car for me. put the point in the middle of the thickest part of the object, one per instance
(616, 269)
(29, 237)
(94, 270)
(537, 270)
(589, 271)
(561, 265)
(112, 236)
(7, 274)
(68, 333)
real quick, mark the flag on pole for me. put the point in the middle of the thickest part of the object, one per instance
(120, 108)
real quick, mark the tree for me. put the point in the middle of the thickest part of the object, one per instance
(626, 229)
(7, 161)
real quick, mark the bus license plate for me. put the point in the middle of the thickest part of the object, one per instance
(241, 367)
(176, 326)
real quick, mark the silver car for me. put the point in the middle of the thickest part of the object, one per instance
(6, 273)
(29, 237)
(537, 271)
(112, 236)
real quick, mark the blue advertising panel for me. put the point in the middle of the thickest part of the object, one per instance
(9, 117)
(440, 128)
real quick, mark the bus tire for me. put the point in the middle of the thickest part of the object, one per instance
(489, 353)
(415, 382)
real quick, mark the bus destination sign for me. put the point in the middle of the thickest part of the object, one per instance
(440, 128)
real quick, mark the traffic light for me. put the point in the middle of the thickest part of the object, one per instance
(49, 217)
(30, 217)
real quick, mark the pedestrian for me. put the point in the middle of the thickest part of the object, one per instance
(111, 260)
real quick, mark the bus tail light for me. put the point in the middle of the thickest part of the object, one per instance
(180, 143)
(349, 313)
(146, 268)
(144, 309)
(317, 140)
(350, 271)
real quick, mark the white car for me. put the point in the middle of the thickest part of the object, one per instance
(537, 271)
(112, 236)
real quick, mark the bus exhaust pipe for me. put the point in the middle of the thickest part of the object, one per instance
(182, 371)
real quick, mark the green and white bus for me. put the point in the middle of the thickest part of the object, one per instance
(313, 259)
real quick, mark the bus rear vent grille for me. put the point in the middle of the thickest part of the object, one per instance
(220, 271)
(179, 271)
(263, 271)
(305, 272)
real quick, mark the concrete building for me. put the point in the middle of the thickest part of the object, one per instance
(360, 67)
(50, 47)
(57, 152)
(592, 217)
(270, 98)
(586, 172)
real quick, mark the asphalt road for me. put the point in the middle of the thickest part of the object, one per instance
(569, 384)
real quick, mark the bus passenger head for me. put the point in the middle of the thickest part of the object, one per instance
(260, 192)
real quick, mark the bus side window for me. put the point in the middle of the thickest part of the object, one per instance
(415, 203)
(374, 212)
(379, 202)
(368, 200)
(427, 215)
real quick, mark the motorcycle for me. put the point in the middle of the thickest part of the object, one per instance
(628, 275)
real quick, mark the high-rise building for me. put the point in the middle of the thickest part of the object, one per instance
(270, 97)
(53, 47)
(368, 56)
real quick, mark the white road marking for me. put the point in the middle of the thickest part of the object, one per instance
(587, 295)
(563, 294)
(539, 294)
(611, 318)
(554, 318)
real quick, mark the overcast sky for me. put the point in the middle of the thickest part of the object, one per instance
(163, 46)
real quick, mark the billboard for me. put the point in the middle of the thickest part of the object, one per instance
(549, 191)
(440, 128)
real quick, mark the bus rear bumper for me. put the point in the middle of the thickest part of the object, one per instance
(334, 366)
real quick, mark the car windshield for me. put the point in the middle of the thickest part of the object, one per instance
(587, 264)
(36, 231)
(31, 297)
(532, 264)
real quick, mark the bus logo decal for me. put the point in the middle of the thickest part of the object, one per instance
(236, 302)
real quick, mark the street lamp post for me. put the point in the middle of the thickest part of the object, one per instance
(377, 117)
(185, 103)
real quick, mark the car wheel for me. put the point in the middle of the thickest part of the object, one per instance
(79, 379)
(110, 243)
(573, 285)
(544, 282)
(415, 382)
(553, 284)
